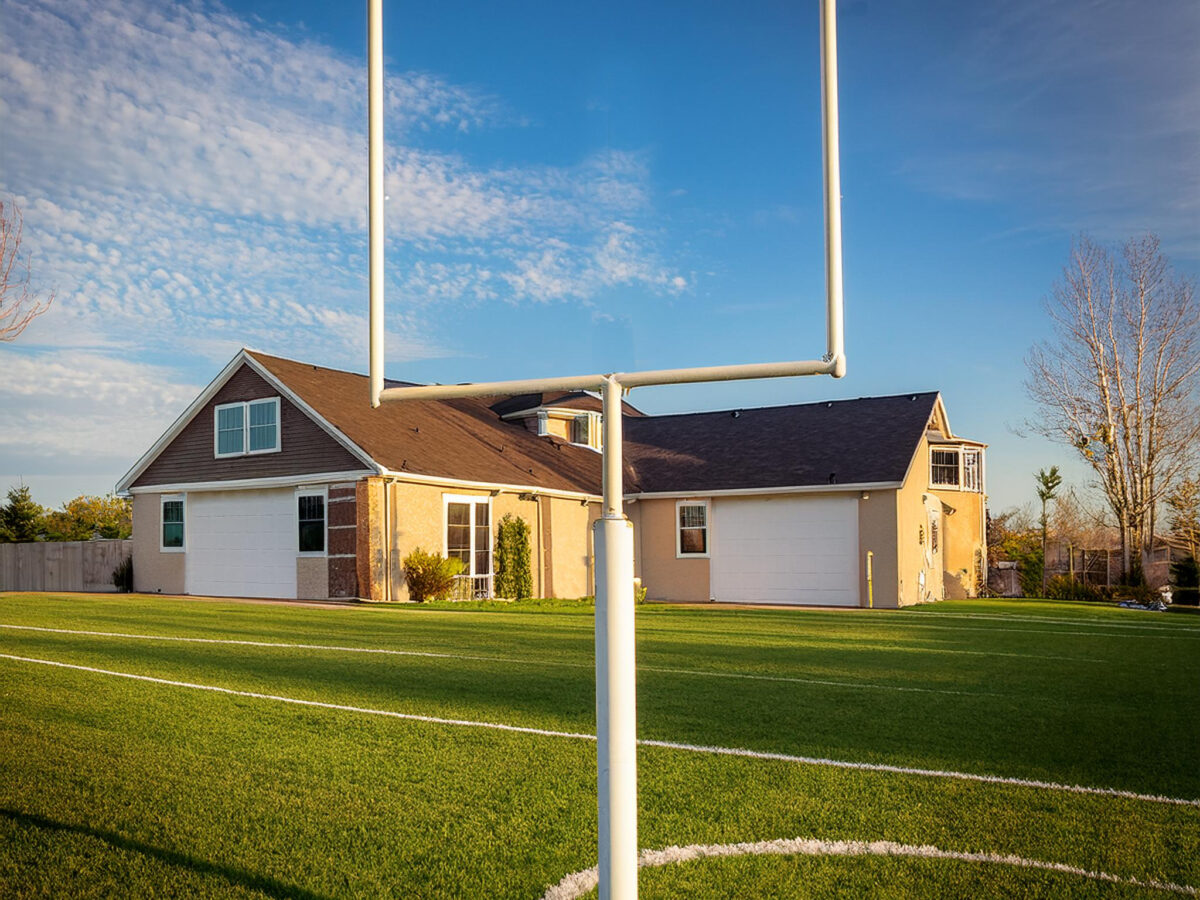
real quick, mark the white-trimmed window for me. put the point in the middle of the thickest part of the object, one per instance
(243, 429)
(586, 430)
(171, 523)
(956, 467)
(469, 539)
(691, 528)
(311, 521)
(972, 464)
(943, 468)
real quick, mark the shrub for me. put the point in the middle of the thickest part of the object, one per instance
(122, 575)
(1185, 581)
(429, 575)
(514, 577)
(1060, 587)
(1135, 593)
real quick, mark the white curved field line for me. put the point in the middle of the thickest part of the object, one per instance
(858, 685)
(579, 883)
(644, 742)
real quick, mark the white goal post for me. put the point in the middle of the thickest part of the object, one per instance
(616, 715)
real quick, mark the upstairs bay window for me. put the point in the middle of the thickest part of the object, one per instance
(242, 429)
(956, 467)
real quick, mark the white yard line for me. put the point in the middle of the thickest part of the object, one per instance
(666, 745)
(857, 685)
(1048, 620)
(579, 883)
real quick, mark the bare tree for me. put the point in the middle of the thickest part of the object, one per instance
(1118, 379)
(19, 305)
(1184, 503)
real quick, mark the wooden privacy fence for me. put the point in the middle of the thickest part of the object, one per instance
(61, 565)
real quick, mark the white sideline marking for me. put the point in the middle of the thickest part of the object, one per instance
(860, 685)
(579, 883)
(1049, 620)
(644, 742)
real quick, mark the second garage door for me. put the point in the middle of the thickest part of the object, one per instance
(785, 550)
(241, 543)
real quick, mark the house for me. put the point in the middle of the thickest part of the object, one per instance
(279, 480)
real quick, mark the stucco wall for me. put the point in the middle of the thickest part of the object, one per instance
(663, 576)
(877, 533)
(964, 540)
(153, 570)
(911, 520)
(561, 566)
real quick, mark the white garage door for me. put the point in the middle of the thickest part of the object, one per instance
(785, 550)
(241, 543)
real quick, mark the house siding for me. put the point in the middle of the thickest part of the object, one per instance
(664, 576)
(154, 571)
(304, 446)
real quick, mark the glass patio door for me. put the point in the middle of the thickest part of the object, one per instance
(469, 539)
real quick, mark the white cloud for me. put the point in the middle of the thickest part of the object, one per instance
(193, 183)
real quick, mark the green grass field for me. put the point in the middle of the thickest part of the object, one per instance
(119, 787)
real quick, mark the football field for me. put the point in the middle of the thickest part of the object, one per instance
(156, 746)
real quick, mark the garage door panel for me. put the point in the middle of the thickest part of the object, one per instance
(785, 550)
(241, 544)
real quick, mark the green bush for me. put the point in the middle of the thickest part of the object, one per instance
(1060, 587)
(122, 575)
(1185, 582)
(1135, 593)
(514, 577)
(429, 575)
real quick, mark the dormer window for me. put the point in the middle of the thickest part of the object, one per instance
(585, 430)
(244, 429)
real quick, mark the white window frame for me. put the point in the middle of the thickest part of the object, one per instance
(679, 552)
(472, 500)
(977, 486)
(245, 407)
(323, 493)
(163, 500)
(938, 485)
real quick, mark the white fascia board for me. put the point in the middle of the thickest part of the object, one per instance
(754, 492)
(179, 424)
(321, 421)
(558, 410)
(251, 484)
(438, 481)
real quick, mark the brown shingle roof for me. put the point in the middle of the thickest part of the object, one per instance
(868, 440)
(461, 439)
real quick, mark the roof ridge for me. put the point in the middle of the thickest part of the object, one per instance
(913, 395)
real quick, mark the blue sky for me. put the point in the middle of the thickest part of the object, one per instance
(573, 187)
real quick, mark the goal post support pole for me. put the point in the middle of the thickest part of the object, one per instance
(616, 684)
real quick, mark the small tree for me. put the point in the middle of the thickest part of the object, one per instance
(18, 304)
(430, 576)
(87, 517)
(514, 577)
(20, 517)
(1047, 485)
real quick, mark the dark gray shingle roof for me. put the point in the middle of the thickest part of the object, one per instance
(837, 442)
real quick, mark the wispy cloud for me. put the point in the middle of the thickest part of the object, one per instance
(1087, 113)
(193, 182)
(191, 178)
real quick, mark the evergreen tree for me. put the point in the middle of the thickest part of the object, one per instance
(20, 517)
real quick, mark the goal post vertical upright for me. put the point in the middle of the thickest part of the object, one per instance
(616, 684)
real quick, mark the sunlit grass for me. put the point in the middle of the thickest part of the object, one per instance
(118, 788)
